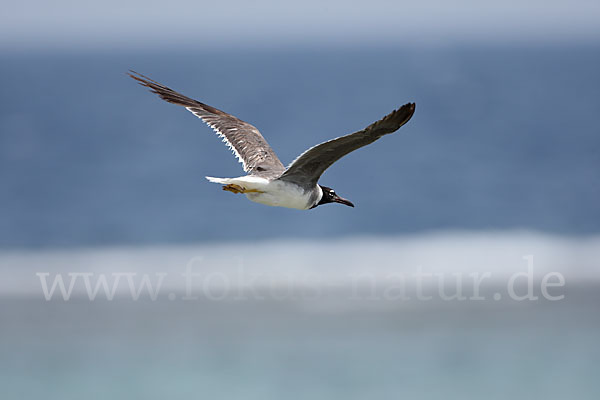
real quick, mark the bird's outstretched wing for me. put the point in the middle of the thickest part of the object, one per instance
(307, 168)
(245, 141)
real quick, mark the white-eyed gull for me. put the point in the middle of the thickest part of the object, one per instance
(268, 181)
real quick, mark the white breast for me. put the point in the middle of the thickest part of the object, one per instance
(284, 194)
(274, 193)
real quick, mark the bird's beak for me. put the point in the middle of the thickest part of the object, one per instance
(341, 200)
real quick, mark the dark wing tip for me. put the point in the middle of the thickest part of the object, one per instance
(404, 113)
(164, 92)
(393, 121)
(142, 79)
(147, 82)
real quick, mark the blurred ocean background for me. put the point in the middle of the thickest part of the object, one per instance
(500, 162)
(503, 138)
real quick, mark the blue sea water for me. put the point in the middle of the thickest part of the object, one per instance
(503, 137)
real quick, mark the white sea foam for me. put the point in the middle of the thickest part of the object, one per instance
(322, 263)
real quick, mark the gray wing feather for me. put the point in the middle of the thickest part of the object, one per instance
(307, 168)
(245, 141)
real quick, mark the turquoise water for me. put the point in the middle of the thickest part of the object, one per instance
(279, 349)
(306, 320)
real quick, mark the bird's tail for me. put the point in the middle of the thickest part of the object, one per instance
(223, 181)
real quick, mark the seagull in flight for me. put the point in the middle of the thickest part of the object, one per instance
(267, 180)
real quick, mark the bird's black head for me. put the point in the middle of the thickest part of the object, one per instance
(329, 196)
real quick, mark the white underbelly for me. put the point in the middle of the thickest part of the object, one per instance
(273, 193)
(282, 194)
